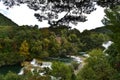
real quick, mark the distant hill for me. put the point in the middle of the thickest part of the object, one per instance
(4, 21)
(101, 30)
(6, 26)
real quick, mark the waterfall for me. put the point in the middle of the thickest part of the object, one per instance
(21, 72)
(106, 45)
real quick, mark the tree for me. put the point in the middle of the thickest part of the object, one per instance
(92, 40)
(73, 38)
(50, 9)
(46, 43)
(36, 48)
(59, 71)
(65, 47)
(24, 49)
(97, 67)
(112, 21)
(113, 57)
(75, 65)
(86, 73)
(12, 76)
(54, 46)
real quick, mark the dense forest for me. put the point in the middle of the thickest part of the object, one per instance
(22, 44)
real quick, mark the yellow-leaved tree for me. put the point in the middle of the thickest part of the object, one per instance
(24, 48)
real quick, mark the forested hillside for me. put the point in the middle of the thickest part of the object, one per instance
(5, 21)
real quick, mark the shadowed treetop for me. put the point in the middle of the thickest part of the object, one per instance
(75, 10)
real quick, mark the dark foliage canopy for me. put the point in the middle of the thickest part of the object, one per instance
(75, 10)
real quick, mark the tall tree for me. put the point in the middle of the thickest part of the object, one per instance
(24, 49)
(97, 67)
(112, 22)
(74, 9)
(61, 71)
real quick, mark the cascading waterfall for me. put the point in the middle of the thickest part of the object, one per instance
(106, 45)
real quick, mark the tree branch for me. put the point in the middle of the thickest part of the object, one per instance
(57, 22)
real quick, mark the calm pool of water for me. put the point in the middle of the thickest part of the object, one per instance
(13, 68)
